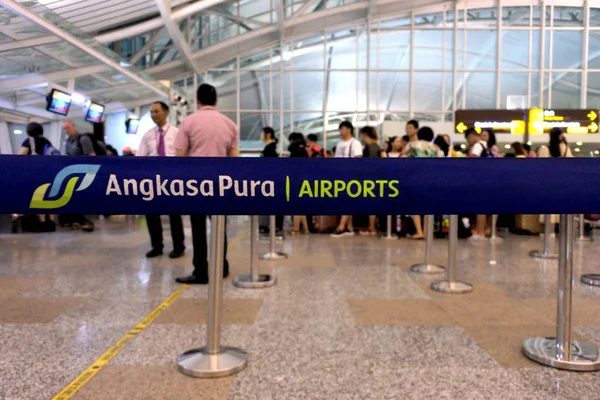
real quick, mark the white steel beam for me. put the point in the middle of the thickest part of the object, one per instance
(155, 23)
(147, 46)
(235, 18)
(26, 43)
(25, 81)
(280, 18)
(307, 4)
(175, 33)
(41, 22)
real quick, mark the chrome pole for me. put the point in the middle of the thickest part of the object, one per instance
(562, 352)
(255, 279)
(581, 238)
(272, 254)
(427, 267)
(389, 235)
(450, 285)
(547, 252)
(214, 360)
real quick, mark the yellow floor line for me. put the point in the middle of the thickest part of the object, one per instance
(68, 391)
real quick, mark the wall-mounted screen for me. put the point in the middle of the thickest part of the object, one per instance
(58, 102)
(94, 113)
(132, 125)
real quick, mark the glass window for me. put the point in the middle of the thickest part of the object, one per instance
(566, 90)
(516, 16)
(536, 15)
(483, 17)
(396, 90)
(277, 90)
(480, 90)
(593, 90)
(342, 51)
(594, 50)
(342, 91)
(481, 49)
(568, 16)
(308, 90)
(567, 49)
(515, 49)
(429, 20)
(512, 84)
(427, 91)
(428, 49)
(394, 50)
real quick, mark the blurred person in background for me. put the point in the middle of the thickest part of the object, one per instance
(557, 147)
(111, 151)
(369, 136)
(442, 145)
(423, 148)
(77, 145)
(127, 152)
(270, 151)
(313, 148)
(160, 142)
(478, 148)
(412, 128)
(394, 147)
(488, 136)
(519, 150)
(347, 147)
(36, 143)
(298, 149)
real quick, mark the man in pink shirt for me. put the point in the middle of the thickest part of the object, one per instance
(206, 133)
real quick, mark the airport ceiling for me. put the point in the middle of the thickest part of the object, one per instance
(81, 45)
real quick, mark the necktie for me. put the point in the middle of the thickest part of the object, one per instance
(161, 143)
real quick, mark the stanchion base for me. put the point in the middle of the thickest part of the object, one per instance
(198, 363)
(496, 239)
(246, 282)
(452, 287)
(273, 256)
(584, 239)
(386, 237)
(591, 279)
(542, 255)
(584, 356)
(428, 269)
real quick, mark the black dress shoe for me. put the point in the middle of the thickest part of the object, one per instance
(154, 253)
(177, 253)
(192, 280)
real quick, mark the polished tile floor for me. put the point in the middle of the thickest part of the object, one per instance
(345, 321)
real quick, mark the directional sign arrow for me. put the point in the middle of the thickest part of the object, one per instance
(461, 127)
(593, 127)
(592, 115)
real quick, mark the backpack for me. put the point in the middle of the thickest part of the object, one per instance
(98, 149)
(49, 150)
(318, 154)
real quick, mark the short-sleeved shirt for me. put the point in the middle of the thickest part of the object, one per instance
(40, 143)
(423, 148)
(477, 149)
(207, 133)
(372, 151)
(348, 149)
(80, 145)
(270, 150)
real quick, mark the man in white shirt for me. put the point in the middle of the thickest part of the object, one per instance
(159, 142)
(348, 147)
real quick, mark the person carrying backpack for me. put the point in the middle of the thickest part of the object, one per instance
(478, 147)
(313, 149)
(36, 143)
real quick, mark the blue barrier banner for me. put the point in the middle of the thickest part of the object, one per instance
(258, 186)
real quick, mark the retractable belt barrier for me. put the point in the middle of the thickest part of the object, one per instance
(253, 186)
(246, 186)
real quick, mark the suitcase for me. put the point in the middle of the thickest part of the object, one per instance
(325, 223)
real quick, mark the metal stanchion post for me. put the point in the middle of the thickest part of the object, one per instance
(450, 285)
(214, 360)
(581, 238)
(272, 254)
(562, 352)
(546, 253)
(255, 280)
(494, 238)
(388, 235)
(427, 267)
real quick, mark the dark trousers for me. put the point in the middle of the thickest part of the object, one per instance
(156, 232)
(201, 247)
